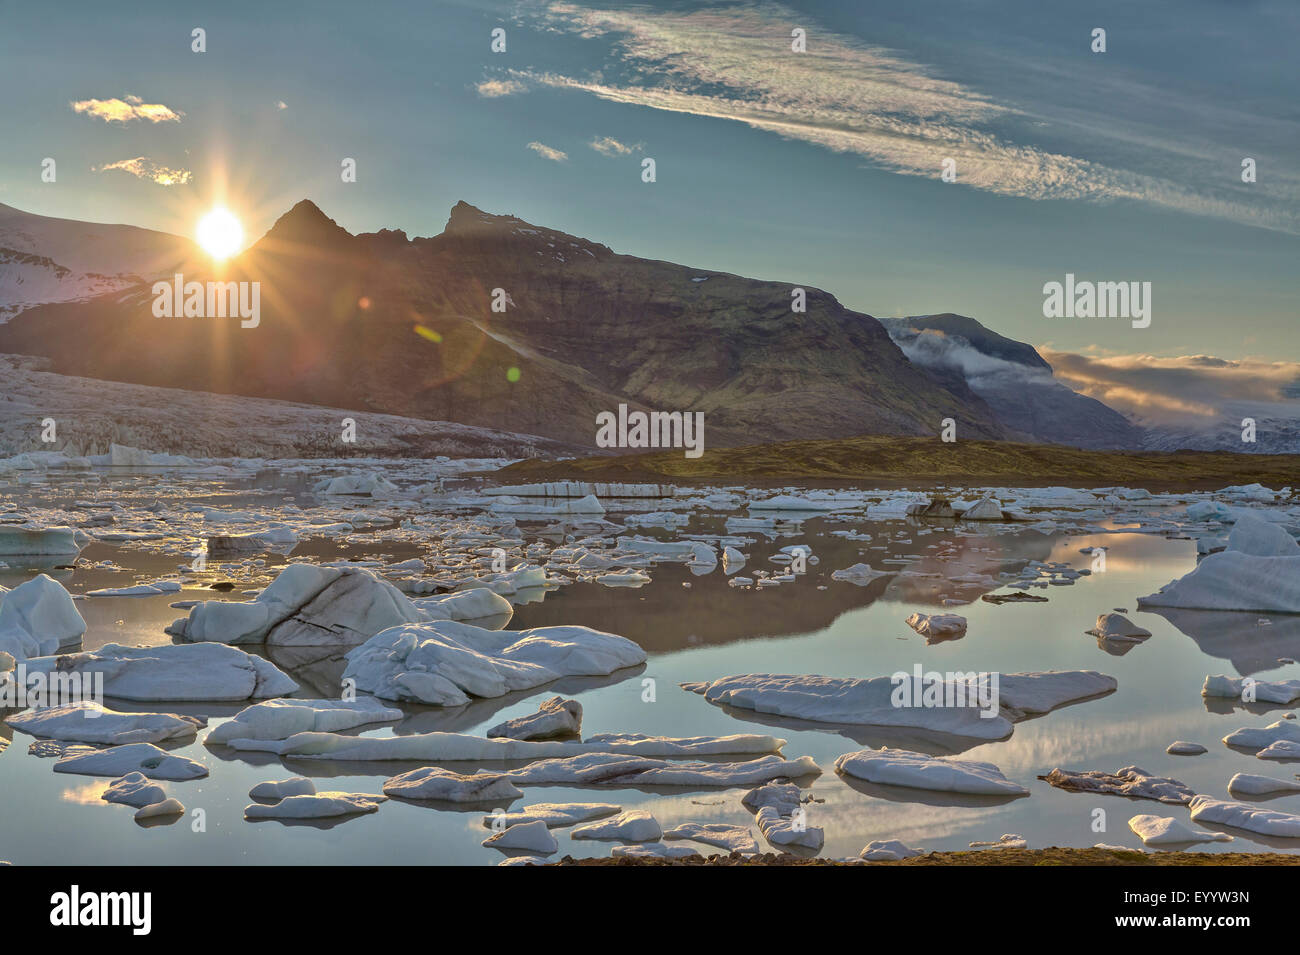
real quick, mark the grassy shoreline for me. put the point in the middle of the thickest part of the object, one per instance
(916, 461)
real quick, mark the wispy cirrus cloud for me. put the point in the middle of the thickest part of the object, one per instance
(127, 109)
(142, 167)
(546, 152)
(735, 62)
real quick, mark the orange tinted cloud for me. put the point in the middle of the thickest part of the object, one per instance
(124, 110)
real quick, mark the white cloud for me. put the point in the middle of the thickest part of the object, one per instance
(608, 146)
(142, 167)
(735, 63)
(491, 89)
(546, 152)
(124, 110)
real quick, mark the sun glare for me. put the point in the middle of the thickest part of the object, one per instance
(219, 233)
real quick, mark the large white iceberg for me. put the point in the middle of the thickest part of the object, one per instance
(616, 769)
(446, 662)
(1232, 580)
(870, 702)
(175, 672)
(37, 618)
(22, 540)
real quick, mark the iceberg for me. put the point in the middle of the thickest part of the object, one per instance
(90, 722)
(38, 618)
(900, 767)
(1238, 815)
(132, 758)
(280, 719)
(445, 662)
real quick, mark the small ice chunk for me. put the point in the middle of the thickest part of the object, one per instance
(318, 806)
(555, 717)
(532, 837)
(633, 825)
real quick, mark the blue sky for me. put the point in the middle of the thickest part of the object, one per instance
(820, 168)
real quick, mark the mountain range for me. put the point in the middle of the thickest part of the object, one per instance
(382, 323)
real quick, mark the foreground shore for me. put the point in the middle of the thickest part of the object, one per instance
(998, 857)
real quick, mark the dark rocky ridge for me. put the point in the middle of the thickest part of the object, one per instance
(588, 329)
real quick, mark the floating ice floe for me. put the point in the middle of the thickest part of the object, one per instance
(1261, 538)
(785, 798)
(86, 721)
(37, 618)
(1008, 840)
(367, 483)
(937, 624)
(615, 769)
(790, 502)
(1116, 626)
(138, 590)
(317, 806)
(280, 719)
(555, 717)
(1232, 580)
(1263, 691)
(275, 537)
(1249, 737)
(1282, 749)
(1239, 815)
(1251, 784)
(900, 767)
(132, 758)
(791, 830)
(23, 540)
(985, 509)
(589, 505)
(432, 782)
(581, 489)
(732, 560)
(135, 790)
(889, 850)
(174, 672)
(860, 574)
(460, 747)
(445, 663)
(532, 837)
(634, 825)
(1128, 781)
(170, 806)
(555, 815)
(721, 835)
(870, 702)
(275, 790)
(305, 605)
(1166, 830)
(1184, 748)
(475, 603)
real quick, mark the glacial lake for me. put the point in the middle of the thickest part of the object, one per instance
(701, 632)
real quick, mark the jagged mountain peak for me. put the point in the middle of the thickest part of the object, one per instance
(305, 223)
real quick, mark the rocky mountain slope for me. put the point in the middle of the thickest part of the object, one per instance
(383, 323)
(1014, 380)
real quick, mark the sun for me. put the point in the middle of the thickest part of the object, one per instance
(220, 233)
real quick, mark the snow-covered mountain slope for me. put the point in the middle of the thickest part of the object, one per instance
(44, 260)
(90, 416)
